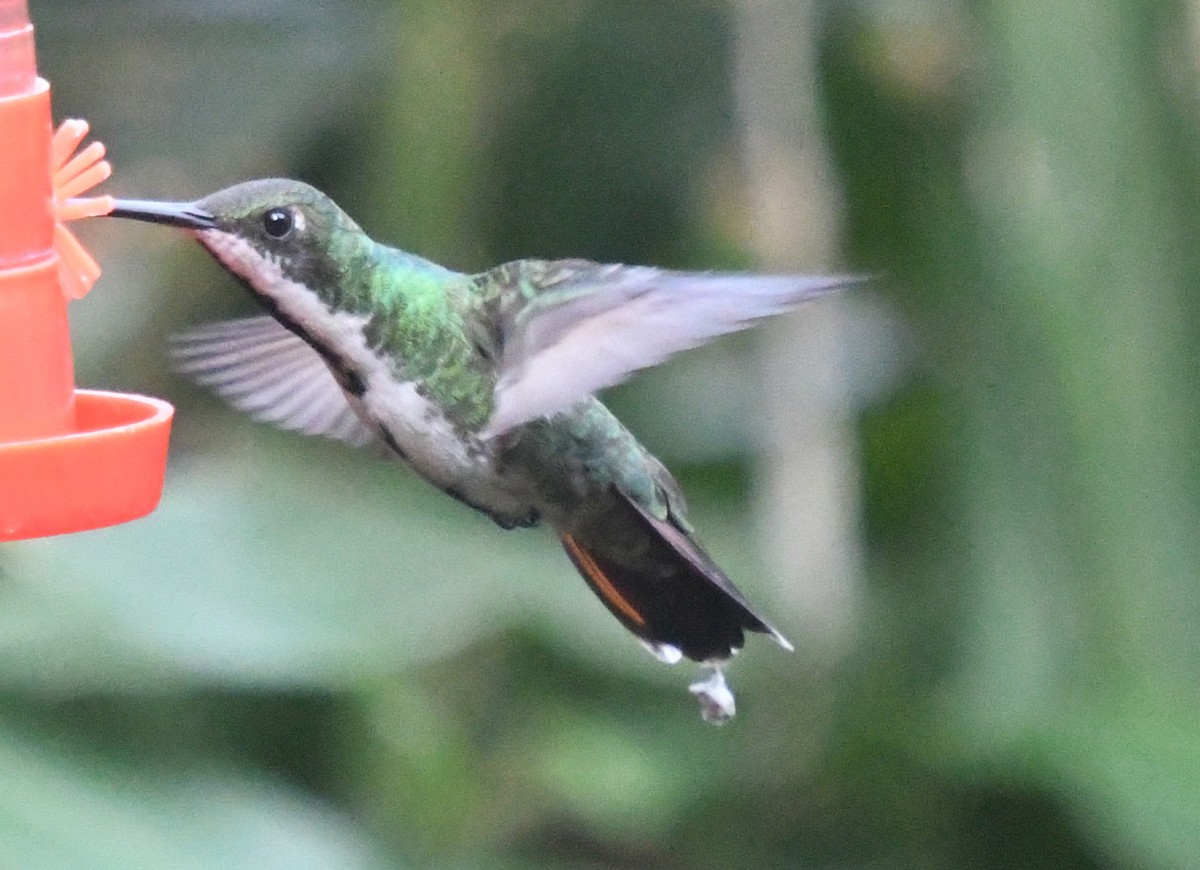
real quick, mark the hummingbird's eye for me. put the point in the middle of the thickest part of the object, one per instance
(277, 222)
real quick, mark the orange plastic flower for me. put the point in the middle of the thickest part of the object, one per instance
(72, 175)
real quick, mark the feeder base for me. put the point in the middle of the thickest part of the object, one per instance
(108, 470)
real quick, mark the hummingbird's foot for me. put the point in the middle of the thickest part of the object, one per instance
(716, 699)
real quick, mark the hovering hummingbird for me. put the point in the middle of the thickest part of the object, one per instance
(484, 385)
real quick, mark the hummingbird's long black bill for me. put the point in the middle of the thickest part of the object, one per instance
(176, 214)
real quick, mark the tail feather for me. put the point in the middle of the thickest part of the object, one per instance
(665, 589)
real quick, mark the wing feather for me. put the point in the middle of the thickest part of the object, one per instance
(261, 368)
(585, 327)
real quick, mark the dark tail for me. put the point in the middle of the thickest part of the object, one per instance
(662, 586)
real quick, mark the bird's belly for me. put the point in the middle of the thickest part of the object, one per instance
(416, 430)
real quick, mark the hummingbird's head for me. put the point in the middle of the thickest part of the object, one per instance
(266, 232)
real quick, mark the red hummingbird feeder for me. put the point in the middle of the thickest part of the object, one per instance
(70, 460)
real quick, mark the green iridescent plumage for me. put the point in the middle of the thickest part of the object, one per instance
(484, 384)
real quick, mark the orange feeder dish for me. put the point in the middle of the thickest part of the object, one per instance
(70, 460)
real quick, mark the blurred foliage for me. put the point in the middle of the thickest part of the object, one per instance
(306, 658)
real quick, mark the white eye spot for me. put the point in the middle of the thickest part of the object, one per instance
(298, 220)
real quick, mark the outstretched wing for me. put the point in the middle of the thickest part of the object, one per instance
(566, 329)
(259, 367)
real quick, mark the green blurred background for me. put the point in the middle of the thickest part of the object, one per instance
(969, 494)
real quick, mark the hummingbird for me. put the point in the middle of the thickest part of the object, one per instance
(485, 385)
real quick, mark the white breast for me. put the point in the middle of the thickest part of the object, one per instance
(415, 426)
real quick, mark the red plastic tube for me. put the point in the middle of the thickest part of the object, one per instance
(70, 459)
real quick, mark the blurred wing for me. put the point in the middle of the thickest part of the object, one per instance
(261, 368)
(585, 326)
